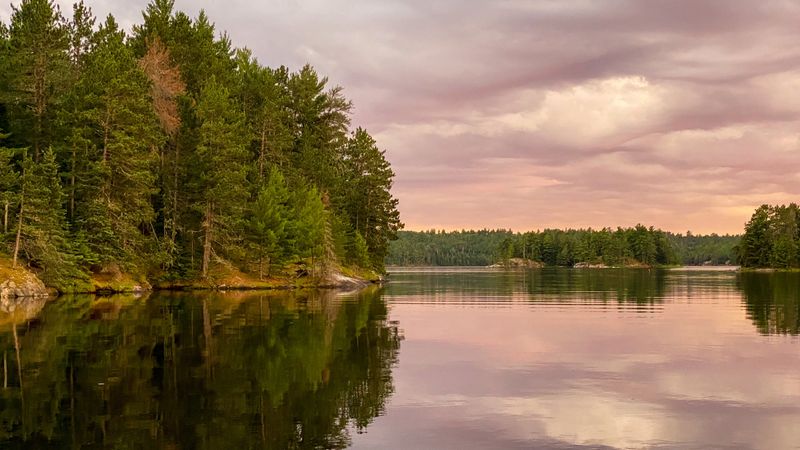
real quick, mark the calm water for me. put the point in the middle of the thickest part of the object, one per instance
(446, 358)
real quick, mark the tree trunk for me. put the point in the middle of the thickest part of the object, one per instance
(19, 228)
(72, 185)
(5, 217)
(262, 156)
(106, 126)
(175, 190)
(207, 238)
(164, 190)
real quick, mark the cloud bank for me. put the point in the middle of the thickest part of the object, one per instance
(681, 114)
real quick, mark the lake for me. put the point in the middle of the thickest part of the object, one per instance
(448, 358)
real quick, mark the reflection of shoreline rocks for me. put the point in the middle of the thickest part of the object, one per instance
(19, 309)
(586, 265)
(518, 263)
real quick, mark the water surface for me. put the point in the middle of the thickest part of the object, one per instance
(593, 358)
(438, 358)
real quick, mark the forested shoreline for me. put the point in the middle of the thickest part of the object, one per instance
(772, 238)
(170, 154)
(637, 246)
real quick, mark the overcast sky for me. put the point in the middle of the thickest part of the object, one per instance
(682, 114)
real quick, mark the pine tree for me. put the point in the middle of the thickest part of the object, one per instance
(115, 99)
(264, 97)
(171, 133)
(269, 221)
(367, 196)
(755, 248)
(320, 121)
(222, 177)
(37, 67)
(41, 236)
(360, 256)
(8, 183)
(309, 222)
(166, 89)
(73, 145)
(784, 236)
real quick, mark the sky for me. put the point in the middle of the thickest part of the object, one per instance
(681, 114)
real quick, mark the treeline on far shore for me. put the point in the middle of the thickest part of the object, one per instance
(636, 246)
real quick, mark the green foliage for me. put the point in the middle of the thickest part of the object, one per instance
(321, 118)
(367, 197)
(639, 245)
(163, 143)
(443, 248)
(119, 178)
(9, 178)
(222, 176)
(41, 225)
(36, 69)
(772, 238)
(266, 103)
(713, 249)
(360, 253)
(308, 219)
(270, 221)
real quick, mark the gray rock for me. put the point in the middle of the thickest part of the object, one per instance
(30, 287)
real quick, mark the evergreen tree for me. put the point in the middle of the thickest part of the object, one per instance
(73, 149)
(264, 97)
(41, 235)
(309, 224)
(115, 98)
(756, 247)
(80, 32)
(168, 137)
(221, 179)
(784, 236)
(269, 221)
(37, 66)
(367, 194)
(320, 121)
(360, 255)
(167, 88)
(8, 183)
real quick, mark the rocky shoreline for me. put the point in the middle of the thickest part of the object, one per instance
(21, 283)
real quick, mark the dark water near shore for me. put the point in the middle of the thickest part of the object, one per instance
(441, 358)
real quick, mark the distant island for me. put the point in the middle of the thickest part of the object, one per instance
(169, 157)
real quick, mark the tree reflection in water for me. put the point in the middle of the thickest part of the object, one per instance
(772, 300)
(195, 370)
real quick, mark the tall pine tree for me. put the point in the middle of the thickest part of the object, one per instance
(115, 95)
(221, 177)
(41, 235)
(37, 67)
(366, 196)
